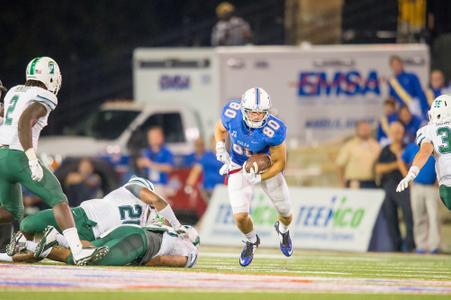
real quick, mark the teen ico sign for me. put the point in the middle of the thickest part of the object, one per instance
(330, 219)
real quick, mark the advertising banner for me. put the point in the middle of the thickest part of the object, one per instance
(323, 218)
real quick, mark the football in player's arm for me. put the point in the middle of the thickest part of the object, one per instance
(253, 130)
(434, 138)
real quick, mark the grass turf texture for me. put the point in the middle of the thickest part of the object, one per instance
(410, 269)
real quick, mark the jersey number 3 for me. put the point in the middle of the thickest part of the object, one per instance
(10, 110)
(444, 133)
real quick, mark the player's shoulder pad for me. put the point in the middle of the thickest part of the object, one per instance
(275, 131)
(230, 112)
(46, 97)
(12, 91)
(424, 135)
(135, 180)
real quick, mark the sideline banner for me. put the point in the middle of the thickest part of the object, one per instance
(323, 218)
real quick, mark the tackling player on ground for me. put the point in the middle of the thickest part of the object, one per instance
(133, 203)
(26, 111)
(435, 139)
(252, 130)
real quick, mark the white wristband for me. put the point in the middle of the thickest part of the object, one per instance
(220, 145)
(414, 170)
(31, 154)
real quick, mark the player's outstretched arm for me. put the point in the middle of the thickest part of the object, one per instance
(420, 159)
(279, 157)
(423, 154)
(161, 205)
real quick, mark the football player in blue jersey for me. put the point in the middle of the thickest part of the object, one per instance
(252, 130)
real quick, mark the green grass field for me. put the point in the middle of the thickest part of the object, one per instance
(311, 275)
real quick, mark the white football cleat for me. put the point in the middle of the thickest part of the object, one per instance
(89, 256)
(48, 241)
(17, 244)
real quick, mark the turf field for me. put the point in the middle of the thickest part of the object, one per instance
(307, 275)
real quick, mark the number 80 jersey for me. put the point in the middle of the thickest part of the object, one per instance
(249, 141)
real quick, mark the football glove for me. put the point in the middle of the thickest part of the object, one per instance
(413, 172)
(221, 153)
(252, 177)
(35, 167)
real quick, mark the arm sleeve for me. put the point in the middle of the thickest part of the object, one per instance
(423, 136)
(279, 136)
(47, 98)
(135, 189)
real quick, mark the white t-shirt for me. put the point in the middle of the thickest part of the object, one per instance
(16, 101)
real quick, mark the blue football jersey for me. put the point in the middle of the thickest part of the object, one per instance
(249, 141)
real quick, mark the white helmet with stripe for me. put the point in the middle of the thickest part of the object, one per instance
(255, 100)
(440, 110)
(45, 70)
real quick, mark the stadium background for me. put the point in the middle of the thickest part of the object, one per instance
(93, 42)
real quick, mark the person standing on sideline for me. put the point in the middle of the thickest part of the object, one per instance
(355, 161)
(388, 168)
(424, 201)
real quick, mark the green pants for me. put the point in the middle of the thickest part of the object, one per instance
(14, 171)
(39, 221)
(127, 244)
(445, 195)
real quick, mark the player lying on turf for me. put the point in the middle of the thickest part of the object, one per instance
(435, 139)
(128, 204)
(26, 112)
(252, 130)
(154, 245)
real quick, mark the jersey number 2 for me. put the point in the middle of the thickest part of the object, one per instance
(130, 214)
(10, 110)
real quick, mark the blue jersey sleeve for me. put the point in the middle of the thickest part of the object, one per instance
(230, 111)
(275, 131)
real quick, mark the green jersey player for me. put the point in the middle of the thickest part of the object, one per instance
(26, 111)
(133, 203)
(435, 139)
(153, 245)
